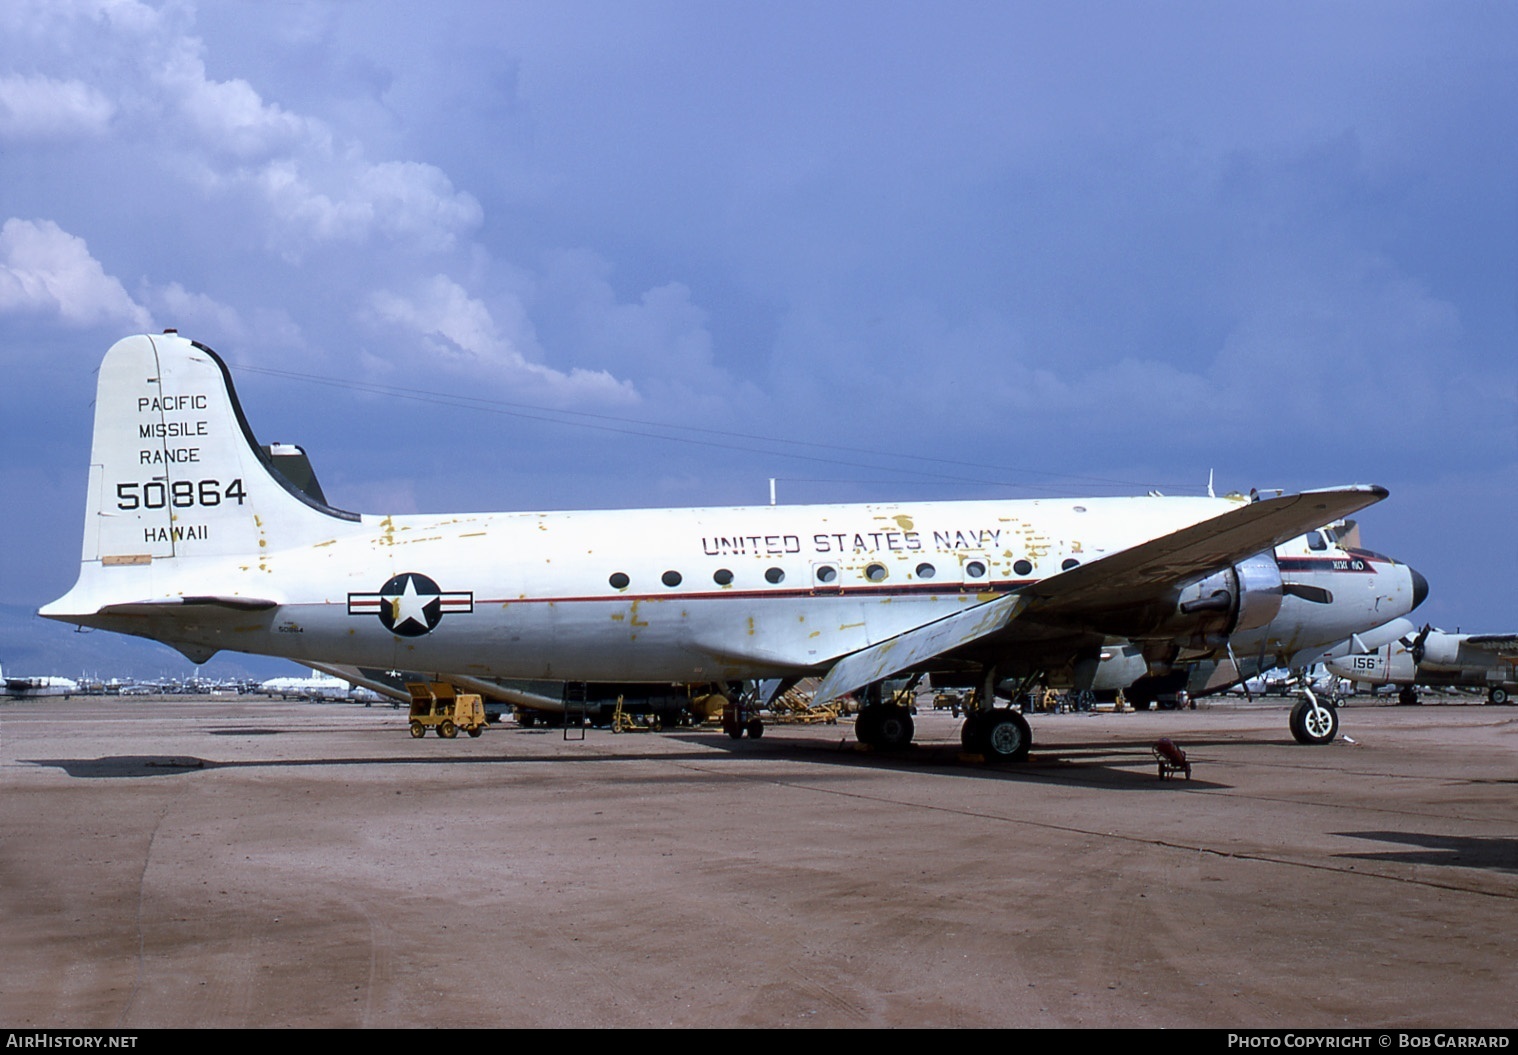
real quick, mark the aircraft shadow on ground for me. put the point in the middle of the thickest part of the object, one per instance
(1118, 766)
(1492, 854)
(1106, 765)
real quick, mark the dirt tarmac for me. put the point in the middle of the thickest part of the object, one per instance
(246, 862)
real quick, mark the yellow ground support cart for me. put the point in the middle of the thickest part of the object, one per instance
(626, 722)
(440, 706)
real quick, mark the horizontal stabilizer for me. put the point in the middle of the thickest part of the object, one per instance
(167, 604)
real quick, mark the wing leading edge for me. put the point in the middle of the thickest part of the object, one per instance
(1090, 597)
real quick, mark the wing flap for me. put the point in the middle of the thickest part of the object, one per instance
(904, 651)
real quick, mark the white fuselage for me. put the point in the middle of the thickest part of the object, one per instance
(762, 591)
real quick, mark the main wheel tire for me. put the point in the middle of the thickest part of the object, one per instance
(1407, 697)
(894, 728)
(476, 730)
(1497, 694)
(418, 730)
(867, 726)
(1007, 737)
(755, 728)
(1314, 725)
(447, 730)
(972, 733)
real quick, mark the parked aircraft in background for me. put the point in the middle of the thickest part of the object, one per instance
(319, 686)
(1436, 659)
(45, 685)
(191, 539)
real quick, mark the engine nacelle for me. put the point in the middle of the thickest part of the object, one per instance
(1245, 596)
(1441, 651)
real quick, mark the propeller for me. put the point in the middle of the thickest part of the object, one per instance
(1420, 642)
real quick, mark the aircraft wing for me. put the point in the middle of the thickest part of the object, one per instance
(1151, 569)
(1092, 598)
(1493, 642)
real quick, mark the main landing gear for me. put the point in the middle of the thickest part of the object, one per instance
(1000, 734)
(888, 726)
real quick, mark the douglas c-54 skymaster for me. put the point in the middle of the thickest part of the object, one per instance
(192, 540)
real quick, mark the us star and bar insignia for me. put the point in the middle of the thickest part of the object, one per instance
(411, 604)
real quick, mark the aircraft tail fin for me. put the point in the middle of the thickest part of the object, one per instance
(175, 476)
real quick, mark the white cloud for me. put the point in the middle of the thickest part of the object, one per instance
(661, 340)
(461, 330)
(229, 116)
(321, 203)
(45, 270)
(196, 313)
(38, 107)
(146, 81)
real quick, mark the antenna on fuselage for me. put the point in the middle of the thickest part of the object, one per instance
(772, 490)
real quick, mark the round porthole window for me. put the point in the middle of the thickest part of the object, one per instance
(1023, 567)
(875, 572)
(618, 581)
(926, 571)
(975, 570)
(722, 577)
(774, 576)
(826, 573)
(1068, 563)
(670, 578)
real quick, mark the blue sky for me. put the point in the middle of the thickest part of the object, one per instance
(878, 251)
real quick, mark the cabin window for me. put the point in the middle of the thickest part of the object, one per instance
(670, 578)
(875, 572)
(618, 581)
(825, 573)
(926, 571)
(722, 577)
(1068, 563)
(1023, 567)
(774, 576)
(975, 570)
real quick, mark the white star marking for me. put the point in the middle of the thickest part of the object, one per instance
(408, 606)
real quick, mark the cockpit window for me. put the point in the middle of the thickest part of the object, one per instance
(1315, 541)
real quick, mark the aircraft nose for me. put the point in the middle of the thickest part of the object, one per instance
(1420, 586)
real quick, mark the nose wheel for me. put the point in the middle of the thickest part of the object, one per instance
(1313, 722)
